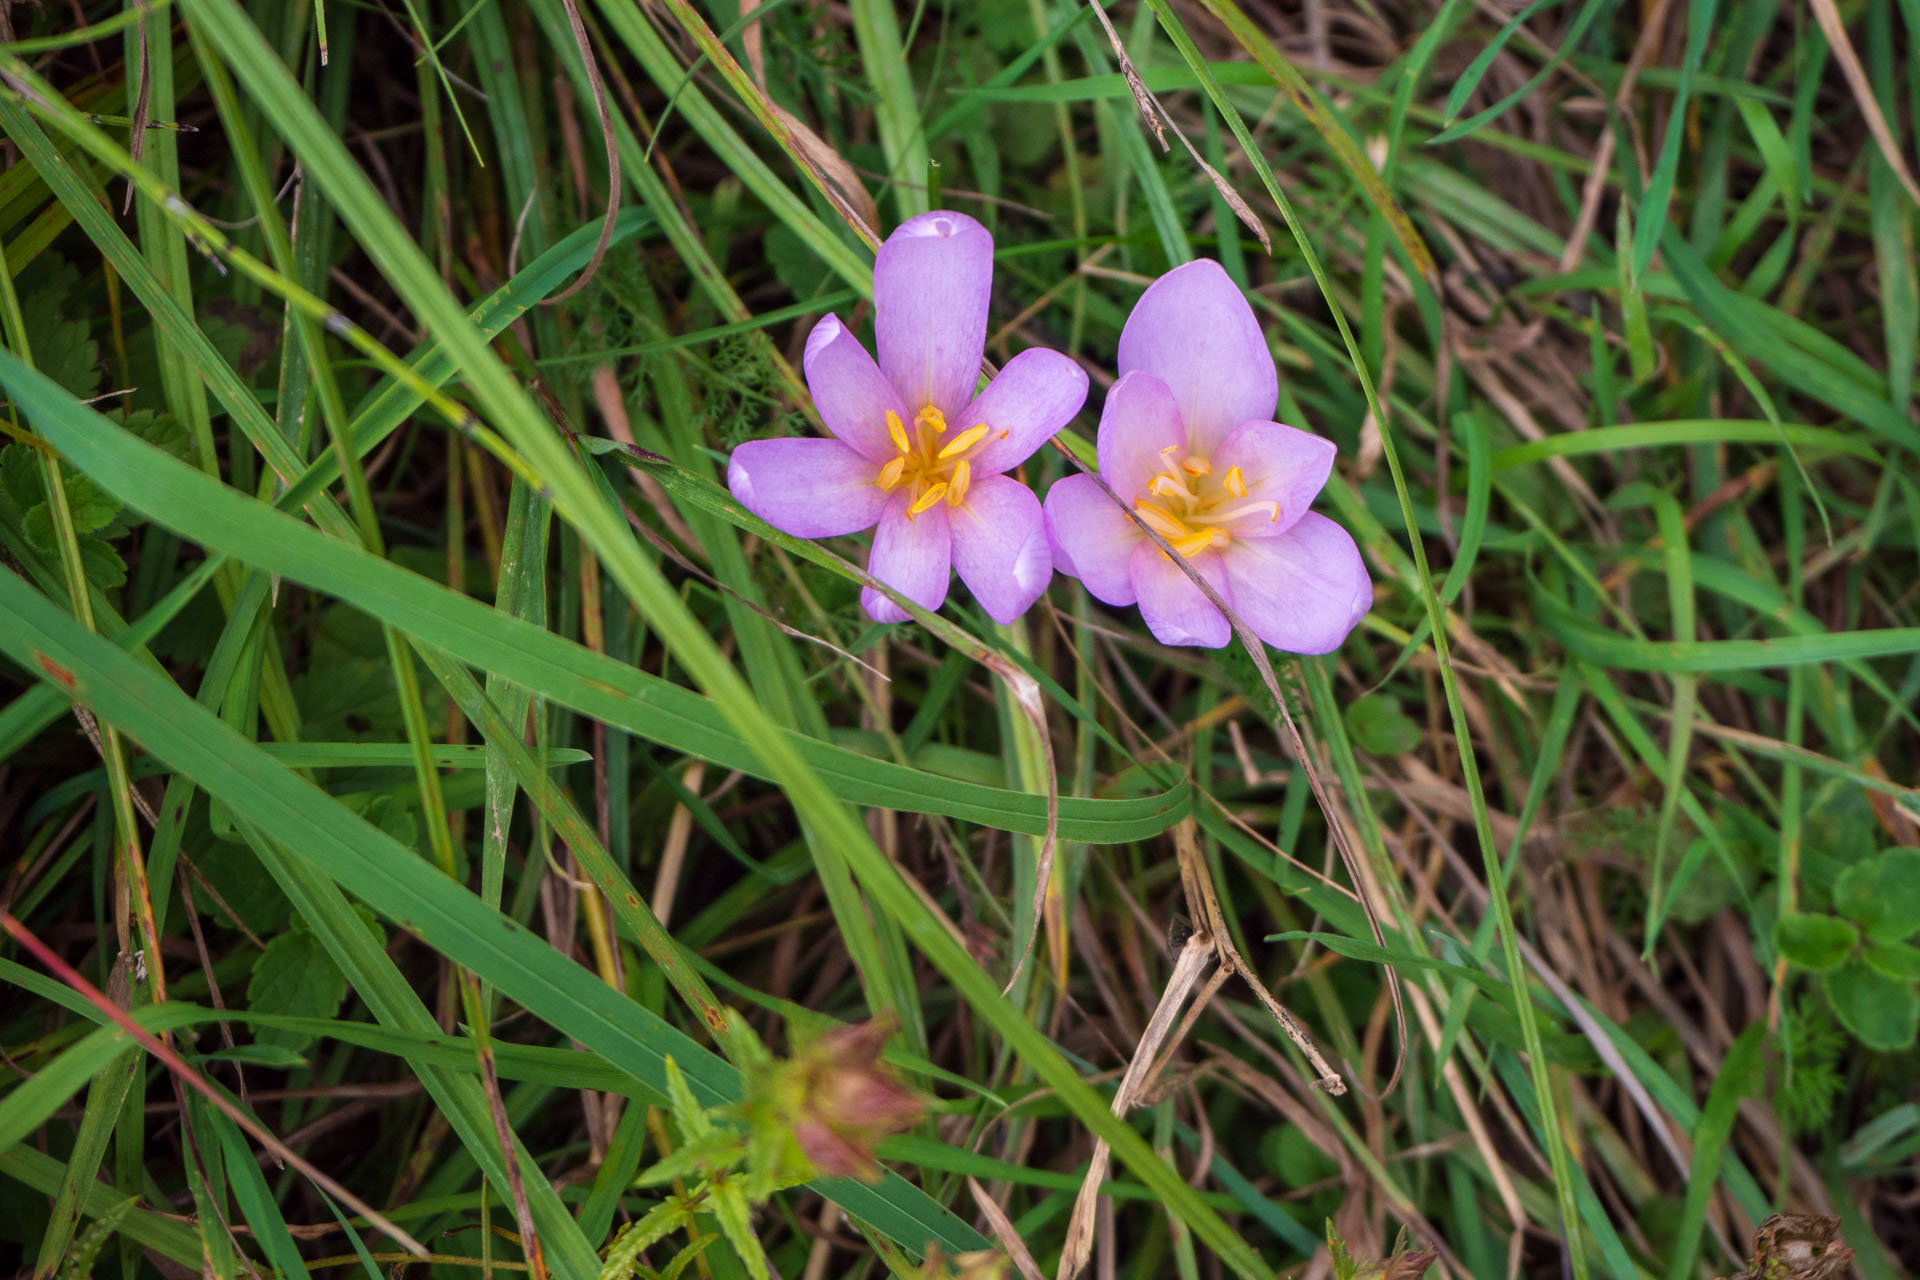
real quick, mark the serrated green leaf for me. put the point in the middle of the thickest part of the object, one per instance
(22, 481)
(1813, 941)
(685, 1257)
(104, 567)
(295, 975)
(735, 1215)
(1882, 1013)
(661, 1221)
(87, 1245)
(693, 1118)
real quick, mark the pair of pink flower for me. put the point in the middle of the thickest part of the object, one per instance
(1186, 441)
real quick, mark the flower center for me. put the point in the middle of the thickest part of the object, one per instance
(1190, 506)
(929, 467)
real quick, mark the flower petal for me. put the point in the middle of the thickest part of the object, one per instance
(853, 396)
(1193, 330)
(1000, 546)
(1034, 395)
(1279, 464)
(809, 487)
(1173, 607)
(1303, 591)
(931, 282)
(1092, 538)
(1138, 424)
(910, 554)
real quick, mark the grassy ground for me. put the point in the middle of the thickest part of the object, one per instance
(366, 578)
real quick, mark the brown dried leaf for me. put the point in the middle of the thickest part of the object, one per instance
(1798, 1246)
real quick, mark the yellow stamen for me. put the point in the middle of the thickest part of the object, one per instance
(1271, 508)
(890, 474)
(927, 499)
(897, 432)
(932, 419)
(964, 441)
(1161, 520)
(1197, 466)
(1165, 486)
(1170, 450)
(1236, 484)
(962, 480)
(1196, 542)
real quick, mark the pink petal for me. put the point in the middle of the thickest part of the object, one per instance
(1034, 395)
(1139, 423)
(1000, 546)
(1173, 607)
(1280, 464)
(811, 488)
(1303, 591)
(931, 283)
(911, 555)
(853, 396)
(1092, 538)
(1193, 330)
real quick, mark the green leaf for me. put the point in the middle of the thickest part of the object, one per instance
(1882, 895)
(202, 509)
(1379, 727)
(278, 1057)
(1882, 1012)
(319, 837)
(1897, 960)
(1817, 942)
(296, 976)
(1737, 1079)
(104, 567)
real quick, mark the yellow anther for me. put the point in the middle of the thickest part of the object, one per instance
(890, 474)
(1236, 484)
(1170, 450)
(1165, 486)
(932, 419)
(1196, 542)
(897, 432)
(964, 441)
(957, 487)
(1161, 520)
(927, 499)
(1196, 466)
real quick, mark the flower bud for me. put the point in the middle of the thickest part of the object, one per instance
(848, 1100)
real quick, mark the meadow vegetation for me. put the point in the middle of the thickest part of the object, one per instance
(468, 803)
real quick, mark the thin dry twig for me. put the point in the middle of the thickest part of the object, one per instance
(613, 156)
(1159, 121)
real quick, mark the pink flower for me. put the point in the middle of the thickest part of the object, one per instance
(915, 450)
(848, 1100)
(1188, 442)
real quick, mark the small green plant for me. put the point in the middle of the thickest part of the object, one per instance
(817, 1113)
(1862, 950)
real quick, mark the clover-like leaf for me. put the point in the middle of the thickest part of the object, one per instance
(1882, 1012)
(1882, 895)
(1379, 727)
(1812, 941)
(1898, 960)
